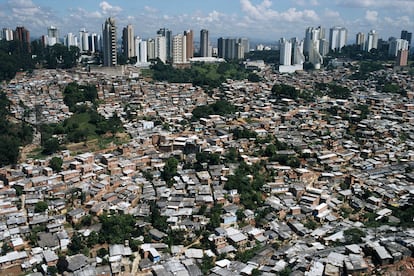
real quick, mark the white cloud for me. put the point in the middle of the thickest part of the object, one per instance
(371, 16)
(108, 8)
(306, 2)
(331, 13)
(150, 9)
(400, 5)
(264, 12)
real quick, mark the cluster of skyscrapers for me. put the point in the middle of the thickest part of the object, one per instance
(314, 47)
(179, 49)
(19, 34)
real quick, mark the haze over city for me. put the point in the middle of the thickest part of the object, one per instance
(259, 20)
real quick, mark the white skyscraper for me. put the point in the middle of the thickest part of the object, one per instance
(285, 52)
(337, 38)
(291, 55)
(161, 48)
(313, 35)
(83, 40)
(297, 48)
(360, 40)
(52, 36)
(397, 45)
(151, 48)
(70, 40)
(372, 40)
(315, 57)
(179, 49)
(7, 34)
(141, 50)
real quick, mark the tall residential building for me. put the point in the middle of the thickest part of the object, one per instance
(83, 40)
(7, 34)
(204, 43)
(323, 47)
(94, 43)
(141, 50)
(285, 47)
(109, 42)
(297, 51)
(128, 47)
(161, 48)
(246, 44)
(239, 50)
(402, 58)
(337, 38)
(221, 47)
(231, 48)
(313, 35)
(52, 35)
(23, 35)
(151, 48)
(407, 36)
(70, 40)
(189, 43)
(168, 41)
(372, 41)
(179, 49)
(360, 40)
(397, 45)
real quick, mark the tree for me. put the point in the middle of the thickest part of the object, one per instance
(40, 207)
(76, 244)
(6, 248)
(62, 264)
(207, 263)
(93, 239)
(56, 164)
(170, 169)
(253, 77)
(353, 235)
(51, 146)
(284, 91)
(102, 252)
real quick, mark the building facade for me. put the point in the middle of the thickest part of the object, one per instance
(189, 44)
(109, 42)
(128, 41)
(372, 41)
(179, 49)
(337, 38)
(204, 43)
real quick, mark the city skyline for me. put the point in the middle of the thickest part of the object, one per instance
(257, 19)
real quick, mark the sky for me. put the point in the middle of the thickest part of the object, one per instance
(260, 20)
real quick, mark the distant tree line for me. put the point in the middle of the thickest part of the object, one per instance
(16, 57)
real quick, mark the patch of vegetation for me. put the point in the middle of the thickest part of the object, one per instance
(117, 228)
(248, 187)
(365, 68)
(353, 235)
(200, 74)
(268, 56)
(12, 135)
(169, 170)
(333, 90)
(15, 57)
(85, 124)
(221, 108)
(75, 93)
